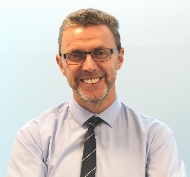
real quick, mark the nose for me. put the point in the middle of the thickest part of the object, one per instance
(89, 64)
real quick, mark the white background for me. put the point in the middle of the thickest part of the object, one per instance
(155, 78)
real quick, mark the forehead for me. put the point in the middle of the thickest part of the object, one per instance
(87, 38)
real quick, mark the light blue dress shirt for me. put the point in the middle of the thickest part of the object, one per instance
(129, 144)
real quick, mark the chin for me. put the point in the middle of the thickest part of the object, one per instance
(93, 98)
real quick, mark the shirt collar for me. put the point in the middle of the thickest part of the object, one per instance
(81, 115)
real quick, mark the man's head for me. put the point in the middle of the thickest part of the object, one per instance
(91, 17)
(90, 55)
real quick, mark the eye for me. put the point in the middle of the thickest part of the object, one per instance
(101, 53)
(76, 56)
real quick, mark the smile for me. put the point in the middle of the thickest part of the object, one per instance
(91, 81)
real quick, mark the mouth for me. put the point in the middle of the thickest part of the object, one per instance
(91, 81)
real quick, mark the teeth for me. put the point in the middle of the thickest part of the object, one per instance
(91, 81)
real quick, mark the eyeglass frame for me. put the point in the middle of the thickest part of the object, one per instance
(112, 50)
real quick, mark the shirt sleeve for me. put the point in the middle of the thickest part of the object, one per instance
(26, 156)
(164, 159)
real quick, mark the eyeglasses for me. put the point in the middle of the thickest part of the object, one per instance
(98, 55)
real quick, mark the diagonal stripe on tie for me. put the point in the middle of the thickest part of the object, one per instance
(89, 153)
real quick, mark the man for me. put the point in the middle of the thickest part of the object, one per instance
(126, 143)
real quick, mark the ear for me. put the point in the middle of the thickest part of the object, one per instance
(120, 58)
(60, 64)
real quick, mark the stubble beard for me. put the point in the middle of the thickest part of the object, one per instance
(96, 99)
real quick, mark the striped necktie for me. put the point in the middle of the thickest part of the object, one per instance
(89, 152)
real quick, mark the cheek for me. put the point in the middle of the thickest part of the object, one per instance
(70, 79)
(70, 73)
(111, 73)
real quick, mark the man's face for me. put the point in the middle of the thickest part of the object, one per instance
(90, 81)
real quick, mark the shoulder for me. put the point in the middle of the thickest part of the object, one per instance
(51, 113)
(155, 133)
(149, 125)
(48, 118)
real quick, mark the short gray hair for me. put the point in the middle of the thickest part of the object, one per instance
(90, 17)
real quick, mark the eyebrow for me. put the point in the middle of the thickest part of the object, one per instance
(80, 50)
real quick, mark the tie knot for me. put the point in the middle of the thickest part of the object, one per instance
(94, 121)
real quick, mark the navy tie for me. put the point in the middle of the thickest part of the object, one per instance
(89, 153)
